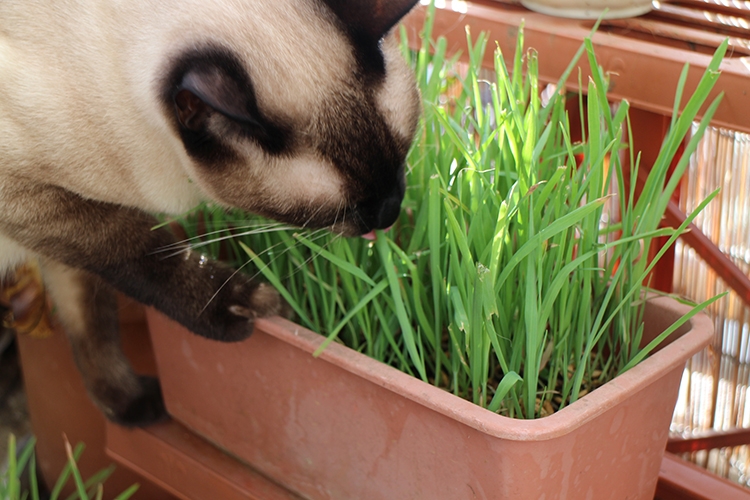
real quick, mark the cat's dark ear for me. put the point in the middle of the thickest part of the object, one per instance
(191, 110)
(208, 88)
(370, 19)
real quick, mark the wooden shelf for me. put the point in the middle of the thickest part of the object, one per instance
(681, 480)
(186, 466)
(644, 56)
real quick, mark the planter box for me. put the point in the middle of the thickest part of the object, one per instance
(343, 426)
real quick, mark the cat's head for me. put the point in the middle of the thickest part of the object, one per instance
(299, 110)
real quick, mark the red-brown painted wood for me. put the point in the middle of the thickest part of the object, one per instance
(682, 480)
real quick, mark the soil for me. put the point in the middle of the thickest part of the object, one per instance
(14, 414)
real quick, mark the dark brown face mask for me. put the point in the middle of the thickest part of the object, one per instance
(210, 95)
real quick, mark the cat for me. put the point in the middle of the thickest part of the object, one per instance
(298, 110)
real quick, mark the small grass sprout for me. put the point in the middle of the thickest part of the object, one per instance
(23, 462)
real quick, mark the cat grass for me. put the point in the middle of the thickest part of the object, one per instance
(515, 275)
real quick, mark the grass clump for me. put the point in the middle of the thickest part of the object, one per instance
(12, 486)
(504, 281)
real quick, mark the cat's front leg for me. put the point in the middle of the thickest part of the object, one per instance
(120, 245)
(208, 297)
(91, 248)
(87, 309)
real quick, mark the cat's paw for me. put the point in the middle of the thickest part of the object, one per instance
(145, 408)
(248, 302)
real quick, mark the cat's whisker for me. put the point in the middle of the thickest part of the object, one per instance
(339, 206)
(318, 205)
(239, 231)
(258, 226)
(201, 241)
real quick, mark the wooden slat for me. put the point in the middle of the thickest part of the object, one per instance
(709, 440)
(657, 28)
(187, 466)
(735, 7)
(681, 480)
(709, 252)
(709, 19)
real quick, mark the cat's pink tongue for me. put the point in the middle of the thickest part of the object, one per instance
(371, 235)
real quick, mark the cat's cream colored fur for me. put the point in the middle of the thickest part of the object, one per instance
(94, 66)
(94, 136)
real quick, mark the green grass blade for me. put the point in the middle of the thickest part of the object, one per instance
(67, 469)
(406, 328)
(377, 290)
(125, 495)
(33, 483)
(93, 482)
(559, 225)
(669, 331)
(276, 282)
(340, 263)
(13, 486)
(509, 380)
(77, 479)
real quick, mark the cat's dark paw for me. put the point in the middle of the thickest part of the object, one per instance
(144, 409)
(248, 302)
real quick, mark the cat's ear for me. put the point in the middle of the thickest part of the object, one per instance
(206, 89)
(370, 19)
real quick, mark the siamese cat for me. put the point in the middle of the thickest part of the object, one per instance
(299, 110)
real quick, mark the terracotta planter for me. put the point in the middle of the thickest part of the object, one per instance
(343, 426)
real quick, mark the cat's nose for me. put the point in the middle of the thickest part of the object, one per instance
(388, 212)
(381, 213)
